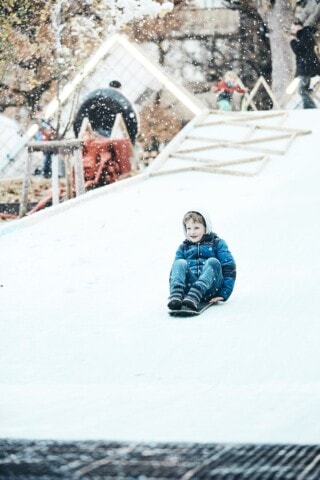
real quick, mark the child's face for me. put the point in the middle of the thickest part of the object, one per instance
(195, 231)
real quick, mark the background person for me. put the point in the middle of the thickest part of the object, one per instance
(303, 44)
(225, 89)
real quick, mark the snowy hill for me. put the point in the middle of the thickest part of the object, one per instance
(88, 350)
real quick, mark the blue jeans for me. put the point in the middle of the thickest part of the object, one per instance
(208, 282)
(47, 165)
(225, 105)
(305, 92)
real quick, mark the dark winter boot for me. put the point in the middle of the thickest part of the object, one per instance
(192, 299)
(176, 297)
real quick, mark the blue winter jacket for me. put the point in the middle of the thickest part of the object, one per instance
(210, 246)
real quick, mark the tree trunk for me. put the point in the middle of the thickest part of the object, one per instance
(278, 18)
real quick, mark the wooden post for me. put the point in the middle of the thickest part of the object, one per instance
(262, 82)
(55, 180)
(78, 169)
(68, 175)
(25, 188)
(62, 147)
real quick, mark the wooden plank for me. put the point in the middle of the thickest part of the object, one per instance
(68, 175)
(213, 168)
(78, 170)
(262, 82)
(204, 169)
(194, 149)
(270, 93)
(258, 127)
(216, 163)
(240, 146)
(222, 171)
(119, 129)
(239, 172)
(217, 169)
(55, 180)
(272, 138)
(251, 131)
(54, 145)
(293, 137)
(179, 92)
(238, 116)
(247, 97)
(85, 129)
(25, 187)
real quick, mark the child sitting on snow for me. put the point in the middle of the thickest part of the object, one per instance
(226, 87)
(203, 268)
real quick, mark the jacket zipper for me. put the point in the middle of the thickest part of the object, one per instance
(198, 260)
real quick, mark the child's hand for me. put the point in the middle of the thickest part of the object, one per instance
(216, 300)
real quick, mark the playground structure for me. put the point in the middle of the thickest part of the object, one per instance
(106, 127)
(91, 161)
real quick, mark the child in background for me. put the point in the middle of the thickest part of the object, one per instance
(203, 268)
(226, 87)
(45, 133)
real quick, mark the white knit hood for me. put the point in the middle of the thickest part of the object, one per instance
(205, 216)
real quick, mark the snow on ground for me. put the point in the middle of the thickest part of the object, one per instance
(88, 350)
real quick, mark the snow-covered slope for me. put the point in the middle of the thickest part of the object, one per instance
(89, 351)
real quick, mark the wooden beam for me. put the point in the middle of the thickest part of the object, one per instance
(218, 163)
(216, 167)
(240, 116)
(54, 146)
(79, 176)
(262, 82)
(272, 138)
(238, 145)
(119, 129)
(257, 126)
(68, 175)
(55, 180)
(25, 188)
(211, 169)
